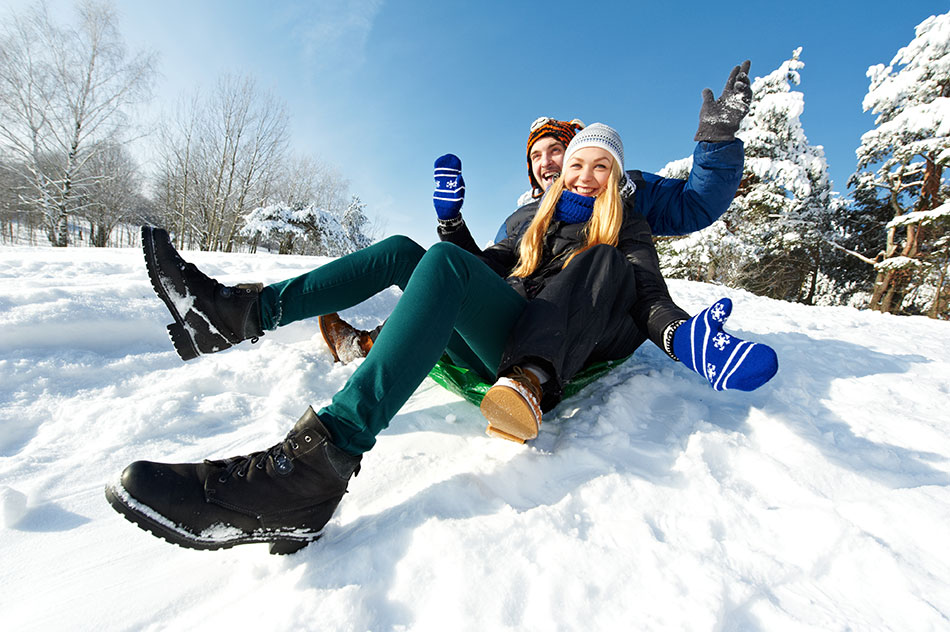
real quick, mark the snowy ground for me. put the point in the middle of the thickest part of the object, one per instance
(650, 502)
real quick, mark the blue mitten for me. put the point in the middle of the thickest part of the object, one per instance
(724, 360)
(449, 186)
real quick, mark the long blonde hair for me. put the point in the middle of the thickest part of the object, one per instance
(603, 227)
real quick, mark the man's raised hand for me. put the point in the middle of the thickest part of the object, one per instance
(719, 119)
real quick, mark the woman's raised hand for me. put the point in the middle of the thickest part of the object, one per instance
(449, 187)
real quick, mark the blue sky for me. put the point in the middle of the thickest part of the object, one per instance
(381, 88)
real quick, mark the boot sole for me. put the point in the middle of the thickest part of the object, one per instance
(139, 514)
(509, 415)
(492, 431)
(182, 340)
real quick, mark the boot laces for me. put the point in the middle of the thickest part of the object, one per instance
(278, 454)
(525, 379)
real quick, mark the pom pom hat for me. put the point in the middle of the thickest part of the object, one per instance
(597, 135)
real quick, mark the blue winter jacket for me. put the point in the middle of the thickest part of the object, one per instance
(679, 207)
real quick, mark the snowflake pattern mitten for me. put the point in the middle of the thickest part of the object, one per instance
(727, 362)
(449, 187)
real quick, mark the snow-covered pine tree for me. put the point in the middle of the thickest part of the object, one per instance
(354, 224)
(859, 226)
(310, 229)
(772, 240)
(901, 162)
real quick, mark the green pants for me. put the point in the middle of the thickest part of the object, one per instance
(451, 301)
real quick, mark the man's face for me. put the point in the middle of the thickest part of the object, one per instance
(547, 158)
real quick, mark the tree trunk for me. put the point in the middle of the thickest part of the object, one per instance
(100, 235)
(62, 230)
(940, 296)
(286, 245)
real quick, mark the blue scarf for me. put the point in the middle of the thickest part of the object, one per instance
(573, 208)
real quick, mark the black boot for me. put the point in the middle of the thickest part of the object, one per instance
(209, 316)
(284, 495)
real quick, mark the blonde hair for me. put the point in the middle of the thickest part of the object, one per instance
(603, 227)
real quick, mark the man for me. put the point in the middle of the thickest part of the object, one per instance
(671, 206)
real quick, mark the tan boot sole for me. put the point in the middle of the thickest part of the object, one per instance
(509, 415)
(492, 431)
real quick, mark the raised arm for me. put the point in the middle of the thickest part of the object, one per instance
(448, 199)
(678, 207)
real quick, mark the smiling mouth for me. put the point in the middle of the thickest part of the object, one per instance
(588, 191)
(550, 177)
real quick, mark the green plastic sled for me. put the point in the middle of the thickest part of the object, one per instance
(469, 385)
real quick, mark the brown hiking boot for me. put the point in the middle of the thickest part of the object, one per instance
(346, 342)
(513, 406)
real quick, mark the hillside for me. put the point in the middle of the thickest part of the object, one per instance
(648, 502)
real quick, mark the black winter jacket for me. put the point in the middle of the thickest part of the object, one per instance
(654, 308)
(635, 242)
(550, 333)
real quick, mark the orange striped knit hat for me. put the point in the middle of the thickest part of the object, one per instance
(563, 131)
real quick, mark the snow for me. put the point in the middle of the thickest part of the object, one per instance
(896, 263)
(649, 501)
(12, 506)
(921, 217)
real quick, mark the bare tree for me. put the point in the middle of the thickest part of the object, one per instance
(64, 90)
(176, 182)
(12, 215)
(220, 156)
(113, 195)
(302, 180)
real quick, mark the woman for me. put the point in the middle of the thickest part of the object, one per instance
(585, 261)
(604, 304)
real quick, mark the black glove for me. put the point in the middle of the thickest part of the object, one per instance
(719, 118)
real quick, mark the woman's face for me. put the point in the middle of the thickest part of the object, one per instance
(587, 171)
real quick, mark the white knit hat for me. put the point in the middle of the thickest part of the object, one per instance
(597, 135)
